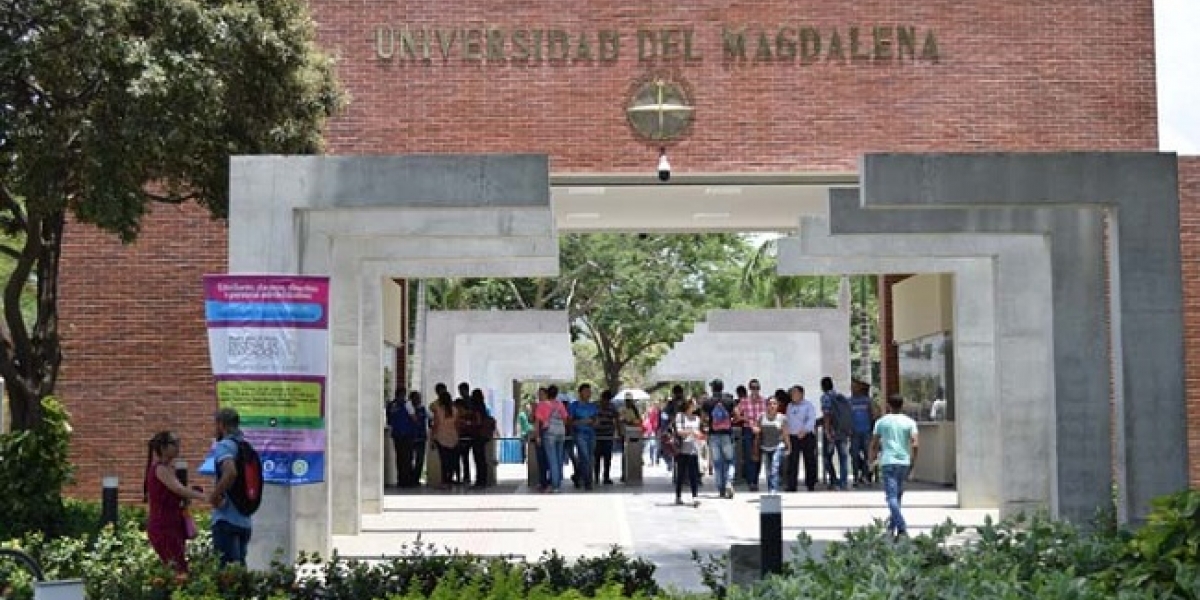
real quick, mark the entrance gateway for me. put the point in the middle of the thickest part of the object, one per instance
(1040, 227)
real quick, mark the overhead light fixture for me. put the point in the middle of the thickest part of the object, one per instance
(711, 215)
(723, 190)
(583, 215)
(586, 191)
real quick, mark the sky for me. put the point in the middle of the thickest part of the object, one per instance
(1178, 51)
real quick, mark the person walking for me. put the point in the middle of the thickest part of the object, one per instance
(687, 427)
(773, 442)
(650, 432)
(720, 409)
(551, 430)
(166, 520)
(894, 446)
(231, 529)
(802, 425)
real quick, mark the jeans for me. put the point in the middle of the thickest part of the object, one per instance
(448, 457)
(721, 446)
(230, 542)
(752, 466)
(827, 454)
(419, 460)
(893, 490)
(689, 467)
(479, 452)
(543, 464)
(842, 448)
(554, 457)
(773, 460)
(585, 449)
(603, 458)
(858, 453)
(652, 447)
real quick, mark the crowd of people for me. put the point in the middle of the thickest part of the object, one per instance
(459, 427)
(741, 440)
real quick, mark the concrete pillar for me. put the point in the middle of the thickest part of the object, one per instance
(1138, 193)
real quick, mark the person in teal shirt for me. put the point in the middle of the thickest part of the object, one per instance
(524, 426)
(894, 446)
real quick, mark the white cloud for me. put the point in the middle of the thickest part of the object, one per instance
(1178, 54)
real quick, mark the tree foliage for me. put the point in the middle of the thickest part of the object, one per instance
(107, 106)
(629, 295)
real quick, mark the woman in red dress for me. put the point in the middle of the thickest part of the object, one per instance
(168, 500)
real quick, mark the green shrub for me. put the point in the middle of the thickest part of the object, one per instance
(34, 467)
(119, 564)
(1163, 556)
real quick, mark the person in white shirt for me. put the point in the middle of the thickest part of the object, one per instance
(802, 426)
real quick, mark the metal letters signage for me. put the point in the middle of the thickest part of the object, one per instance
(786, 44)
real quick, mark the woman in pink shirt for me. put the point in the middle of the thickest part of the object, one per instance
(650, 432)
(550, 432)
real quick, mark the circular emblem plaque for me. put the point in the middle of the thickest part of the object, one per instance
(660, 108)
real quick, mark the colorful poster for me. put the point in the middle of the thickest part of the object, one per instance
(268, 339)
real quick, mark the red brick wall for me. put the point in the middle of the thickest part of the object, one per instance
(1022, 75)
(1189, 208)
(136, 352)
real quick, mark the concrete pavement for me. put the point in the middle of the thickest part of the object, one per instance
(511, 520)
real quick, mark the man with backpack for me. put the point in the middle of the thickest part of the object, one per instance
(839, 428)
(718, 413)
(238, 490)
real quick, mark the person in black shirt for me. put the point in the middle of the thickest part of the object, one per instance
(606, 431)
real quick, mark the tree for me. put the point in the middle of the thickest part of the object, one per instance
(108, 106)
(634, 294)
(627, 296)
(762, 286)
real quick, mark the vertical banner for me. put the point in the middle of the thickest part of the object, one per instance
(268, 339)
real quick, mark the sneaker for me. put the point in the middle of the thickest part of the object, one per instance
(610, 482)
(729, 491)
(679, 502)
(695, 502)
(754, 488)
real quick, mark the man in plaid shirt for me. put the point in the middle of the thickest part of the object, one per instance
(750, 411)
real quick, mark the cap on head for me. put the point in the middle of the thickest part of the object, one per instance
(716, 384)
(228, 418)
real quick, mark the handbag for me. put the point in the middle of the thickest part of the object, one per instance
(669, 444)
(189, 525)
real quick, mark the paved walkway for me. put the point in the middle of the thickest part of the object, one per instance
(643, 520)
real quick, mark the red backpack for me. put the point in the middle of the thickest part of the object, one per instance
(246, 493)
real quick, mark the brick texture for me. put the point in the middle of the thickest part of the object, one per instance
(1189, 209)
(1024, 75)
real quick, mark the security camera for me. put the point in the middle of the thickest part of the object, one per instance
(664, 166)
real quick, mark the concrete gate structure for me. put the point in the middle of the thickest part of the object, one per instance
(362, 219)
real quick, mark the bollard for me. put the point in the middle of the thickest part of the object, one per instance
(181, 471)
(108, 501)
(771, 533)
